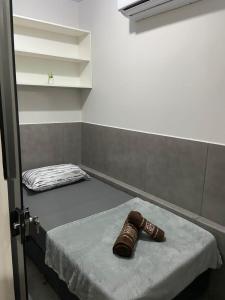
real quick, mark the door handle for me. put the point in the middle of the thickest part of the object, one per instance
(23, 224)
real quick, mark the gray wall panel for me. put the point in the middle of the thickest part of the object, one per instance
(175, 171)
(41, 145)
(72, 142)
(47, 144)
(214, 195)
(118, 153)
(172, 169)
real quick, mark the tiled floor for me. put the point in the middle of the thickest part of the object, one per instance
(38, 287)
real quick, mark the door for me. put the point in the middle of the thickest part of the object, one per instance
(6, 273)
(11, 145)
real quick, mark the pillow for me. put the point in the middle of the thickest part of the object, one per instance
(47, 178)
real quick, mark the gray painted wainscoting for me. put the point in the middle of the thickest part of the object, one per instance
(214, 194)
(169, 168)
(48, 144)
(187, 173)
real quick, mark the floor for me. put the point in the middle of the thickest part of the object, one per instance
(38, 287)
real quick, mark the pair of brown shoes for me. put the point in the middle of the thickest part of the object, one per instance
(125, 243)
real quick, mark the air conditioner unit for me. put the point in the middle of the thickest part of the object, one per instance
(141, 9)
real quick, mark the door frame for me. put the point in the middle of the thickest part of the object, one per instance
(6, 268)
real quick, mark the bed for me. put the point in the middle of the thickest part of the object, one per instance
(74, 202)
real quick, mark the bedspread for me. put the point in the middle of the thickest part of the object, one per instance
(81, 254)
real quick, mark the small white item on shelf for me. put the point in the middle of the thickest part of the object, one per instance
(50, 78)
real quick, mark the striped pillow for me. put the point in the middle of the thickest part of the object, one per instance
(47, 178)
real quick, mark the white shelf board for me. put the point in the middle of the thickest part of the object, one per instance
(47, 26)
(54, 85)
(49, 56)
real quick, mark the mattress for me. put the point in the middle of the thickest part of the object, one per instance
(70, 203)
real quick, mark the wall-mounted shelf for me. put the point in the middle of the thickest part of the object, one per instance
(77, 86)
(49, 56)
(42, 48)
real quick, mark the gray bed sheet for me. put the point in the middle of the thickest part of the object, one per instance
(70, 203)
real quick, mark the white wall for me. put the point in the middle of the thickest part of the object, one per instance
(49, 105)
(6, 273)
(165, 74)
(63, 12)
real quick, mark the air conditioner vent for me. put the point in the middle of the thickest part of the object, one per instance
(145, 8)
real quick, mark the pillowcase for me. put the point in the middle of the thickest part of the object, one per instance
(50, 177)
